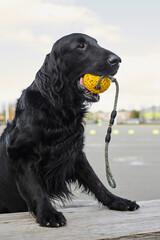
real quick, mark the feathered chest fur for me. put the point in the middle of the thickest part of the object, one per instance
(57, 151)
(49, 138)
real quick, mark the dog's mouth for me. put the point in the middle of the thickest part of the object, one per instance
(89, 96)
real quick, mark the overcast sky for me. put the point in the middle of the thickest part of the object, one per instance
(131, 29)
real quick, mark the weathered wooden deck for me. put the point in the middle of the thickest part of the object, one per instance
(87, 222)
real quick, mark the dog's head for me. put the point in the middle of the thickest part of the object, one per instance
(75, 55)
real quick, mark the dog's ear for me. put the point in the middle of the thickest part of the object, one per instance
(49, 79)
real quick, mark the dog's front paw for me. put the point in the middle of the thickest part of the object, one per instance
(121, 204)
(51, 219)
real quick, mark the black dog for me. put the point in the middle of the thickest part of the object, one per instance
(41, 150)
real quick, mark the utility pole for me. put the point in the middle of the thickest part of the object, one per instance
(6, 112)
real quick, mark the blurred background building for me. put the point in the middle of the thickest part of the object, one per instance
(149, 115)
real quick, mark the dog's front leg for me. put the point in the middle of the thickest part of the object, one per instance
(87, 177)
(33, 192)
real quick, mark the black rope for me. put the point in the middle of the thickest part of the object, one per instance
(109, 175)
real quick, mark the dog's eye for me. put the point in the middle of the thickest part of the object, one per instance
(81, 45)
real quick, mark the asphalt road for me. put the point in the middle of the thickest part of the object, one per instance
(134, 155)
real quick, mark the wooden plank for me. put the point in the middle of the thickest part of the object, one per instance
(89, 221)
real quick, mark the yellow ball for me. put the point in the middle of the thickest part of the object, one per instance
(90, 82)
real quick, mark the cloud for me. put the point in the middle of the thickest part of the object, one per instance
(27, 38)
(47, 12)
(16, 14)
(38, 23)
(23, 36)
(139, 80)
(38, 11)
(141, 72)
(106, 32)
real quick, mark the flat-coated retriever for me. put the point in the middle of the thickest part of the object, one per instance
(41, 150)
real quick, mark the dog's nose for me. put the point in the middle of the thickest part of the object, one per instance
(114, 60)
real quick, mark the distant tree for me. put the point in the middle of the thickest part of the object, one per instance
(135, 114)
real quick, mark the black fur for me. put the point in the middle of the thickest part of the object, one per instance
(41, 150)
